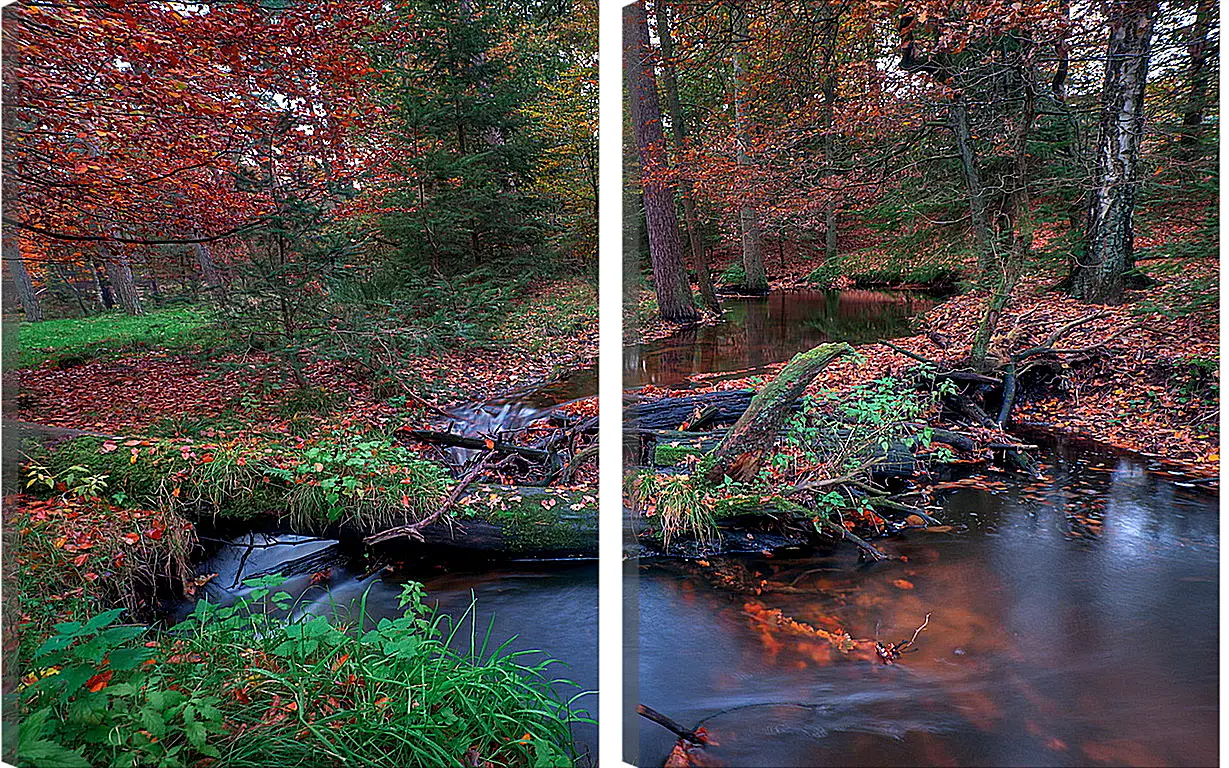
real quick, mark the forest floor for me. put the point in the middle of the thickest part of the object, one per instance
(172, 421)
(145, 378)
(1149, 384)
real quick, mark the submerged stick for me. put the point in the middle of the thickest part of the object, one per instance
(669, 724)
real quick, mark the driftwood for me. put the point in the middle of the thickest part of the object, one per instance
(648, 713)
(755, 433)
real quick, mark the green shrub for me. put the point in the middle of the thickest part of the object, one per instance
(732, 275)
(238, 684)
(675, 504)
(373, 483)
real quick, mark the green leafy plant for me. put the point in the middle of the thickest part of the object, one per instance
(369, 478)
(237, 683)
(76, 480)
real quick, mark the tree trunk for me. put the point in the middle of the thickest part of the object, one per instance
(1100, 275)
(977, 192)
(1062, 51)
(829, 122)
(665, 249)
(756, 431)
(119, 275)
(756, 280)
(104, 288)
(22, 284)
(1017, 223)
(1200, 47)
(209, 270)
(699, 255)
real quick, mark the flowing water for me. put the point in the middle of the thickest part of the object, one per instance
(543, 606)
(1073, 621)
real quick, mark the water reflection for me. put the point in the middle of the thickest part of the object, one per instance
(756, 332)
(1074, 622)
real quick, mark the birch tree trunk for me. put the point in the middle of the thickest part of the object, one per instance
(756, 280)
(1100, 274)
(674, 298)
(699, 255)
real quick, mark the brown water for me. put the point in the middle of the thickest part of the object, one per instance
(757, 332)
(1073, 621)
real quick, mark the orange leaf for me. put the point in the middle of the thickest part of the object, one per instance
(98, 681)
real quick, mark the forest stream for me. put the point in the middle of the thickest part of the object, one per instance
(1071, 620)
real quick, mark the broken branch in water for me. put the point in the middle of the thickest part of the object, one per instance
(669, 724)
(890, 652)
(916, 632)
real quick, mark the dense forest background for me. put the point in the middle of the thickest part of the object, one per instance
(924, 143)
(312, 175)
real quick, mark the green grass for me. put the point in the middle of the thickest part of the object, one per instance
(352, 480)
(111, 333)
(239, 683)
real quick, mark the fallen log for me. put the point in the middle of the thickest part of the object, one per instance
(672, 412)
(453, 440)
(519, 521)
(755, 433)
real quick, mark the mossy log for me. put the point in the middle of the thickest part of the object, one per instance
(521, 521)
(756, 431)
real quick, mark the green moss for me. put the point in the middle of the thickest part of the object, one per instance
(80, 339)
(538, 520)
(368, 485)
(665, 455)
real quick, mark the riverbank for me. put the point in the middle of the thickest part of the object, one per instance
(86, 632)
(213, 432)
(1142, 377)
(133, 442)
